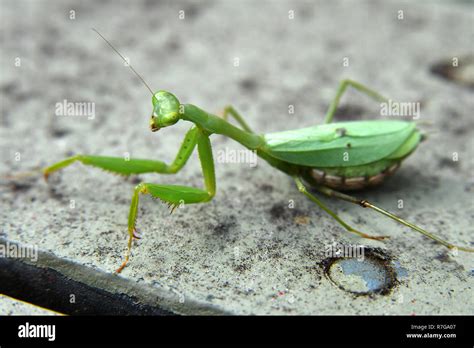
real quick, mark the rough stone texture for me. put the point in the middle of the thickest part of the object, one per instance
(245, 252)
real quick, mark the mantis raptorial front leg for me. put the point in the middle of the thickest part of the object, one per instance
(303, 190)
(127, 167)
(171, 194)
(340, 91)
(366, 204)
(174, 194)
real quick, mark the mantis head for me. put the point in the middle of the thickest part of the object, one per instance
(166, 110)
(166, 107)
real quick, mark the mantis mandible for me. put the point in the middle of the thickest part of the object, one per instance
(332, 157)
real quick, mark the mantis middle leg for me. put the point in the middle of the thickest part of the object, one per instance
(340, 91)
(230, 110)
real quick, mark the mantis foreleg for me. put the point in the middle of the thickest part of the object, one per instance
(174, 194)
(124, 166)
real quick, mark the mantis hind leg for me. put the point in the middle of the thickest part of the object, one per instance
(313, 198)
(366, 204)
(230, 110)
(340, 91)
(175, 195)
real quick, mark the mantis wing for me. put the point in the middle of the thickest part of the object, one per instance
(344, 144)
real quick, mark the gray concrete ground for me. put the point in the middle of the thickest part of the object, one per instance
(259, 247)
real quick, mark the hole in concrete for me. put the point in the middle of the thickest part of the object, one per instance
(457, 70)
(373, 272)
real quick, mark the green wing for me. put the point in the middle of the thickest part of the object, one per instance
(344, 144)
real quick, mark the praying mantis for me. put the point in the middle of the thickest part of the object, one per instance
(330, 158)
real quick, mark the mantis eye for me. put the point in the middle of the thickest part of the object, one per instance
(165, 110)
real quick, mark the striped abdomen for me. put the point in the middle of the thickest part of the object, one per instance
(345, 183)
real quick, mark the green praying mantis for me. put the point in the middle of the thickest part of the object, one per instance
(332, 157)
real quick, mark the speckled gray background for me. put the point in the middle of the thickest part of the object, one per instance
(246, 251)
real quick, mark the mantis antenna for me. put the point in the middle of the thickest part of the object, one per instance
(124, 59)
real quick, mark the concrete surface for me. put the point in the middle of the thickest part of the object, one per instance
(246, 252)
